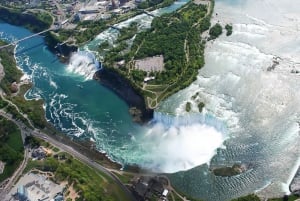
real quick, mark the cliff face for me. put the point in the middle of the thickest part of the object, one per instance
(27, 20)
(64, 50)
(123, 89)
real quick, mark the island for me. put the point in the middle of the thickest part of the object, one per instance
(228, 171)
(38, 161)
(161, 60)
(143, 67)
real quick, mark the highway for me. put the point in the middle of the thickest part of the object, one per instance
(37, 133)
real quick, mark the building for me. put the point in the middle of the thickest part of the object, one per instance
(38, 153)
(34, 187)
(89, 10)
(148, 187)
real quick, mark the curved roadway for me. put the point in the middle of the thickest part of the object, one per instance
(37, 133)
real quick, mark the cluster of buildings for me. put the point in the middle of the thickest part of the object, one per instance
(150, 188)
(40, 153)
(68, 11)
(103, 9)
(37, 187)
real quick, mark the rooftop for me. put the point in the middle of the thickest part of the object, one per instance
(36, 187)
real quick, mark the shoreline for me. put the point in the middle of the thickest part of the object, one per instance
(84, 146)
(120, 86)
(129, 94)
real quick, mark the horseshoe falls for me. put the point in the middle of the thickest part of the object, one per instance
(249, 84)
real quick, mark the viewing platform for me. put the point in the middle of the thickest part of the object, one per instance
(295, 184)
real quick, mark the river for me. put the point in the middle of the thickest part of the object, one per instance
(252, 108)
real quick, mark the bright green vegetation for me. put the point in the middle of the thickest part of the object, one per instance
(11, 147)
(55, 149)
(228, 28)
(125, 178)
(33, 108)
(174, 36)
(12, 73)
(37, 21)
(251, 197)
(285, 198)
(127, 32)
(227, 171)
(215, 31)
(90, 184)
(154, 3)
(16, 115)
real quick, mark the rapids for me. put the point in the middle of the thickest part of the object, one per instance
(250, 82)
(249, 85)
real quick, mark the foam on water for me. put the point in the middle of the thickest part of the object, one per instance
(84, 64)
(248, 82)
(178, 143)
(255, 105)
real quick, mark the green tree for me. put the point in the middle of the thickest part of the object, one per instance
(215, 31)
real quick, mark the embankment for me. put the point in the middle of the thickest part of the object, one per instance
(122, 87)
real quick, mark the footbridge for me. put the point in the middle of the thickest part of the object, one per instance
(25, 38)
(148, 13)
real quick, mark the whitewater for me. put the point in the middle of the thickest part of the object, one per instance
(251, 82)
(249, 85)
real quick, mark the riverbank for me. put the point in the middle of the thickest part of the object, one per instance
(181, 61)
(33, 109)
(35, 22)
(112, 80)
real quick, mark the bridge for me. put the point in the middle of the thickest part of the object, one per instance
(147, 13)
(114, 27)
(25, 38)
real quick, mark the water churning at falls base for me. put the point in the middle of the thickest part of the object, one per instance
(250, 104)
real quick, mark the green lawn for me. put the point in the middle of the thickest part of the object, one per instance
(91, 184)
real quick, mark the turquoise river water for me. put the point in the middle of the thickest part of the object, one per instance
(248, 118)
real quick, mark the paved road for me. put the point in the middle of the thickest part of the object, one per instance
(83, 159)
(19, 171)
(25, 131)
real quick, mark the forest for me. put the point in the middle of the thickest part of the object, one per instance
(175, 36)
(35, 22)
(11, 147)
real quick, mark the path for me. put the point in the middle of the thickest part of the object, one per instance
(19, 171)
(11, 103)
(84, 159)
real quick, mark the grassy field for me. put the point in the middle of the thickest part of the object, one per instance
(90, 184)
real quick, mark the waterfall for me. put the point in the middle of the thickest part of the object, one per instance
(83, 63)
